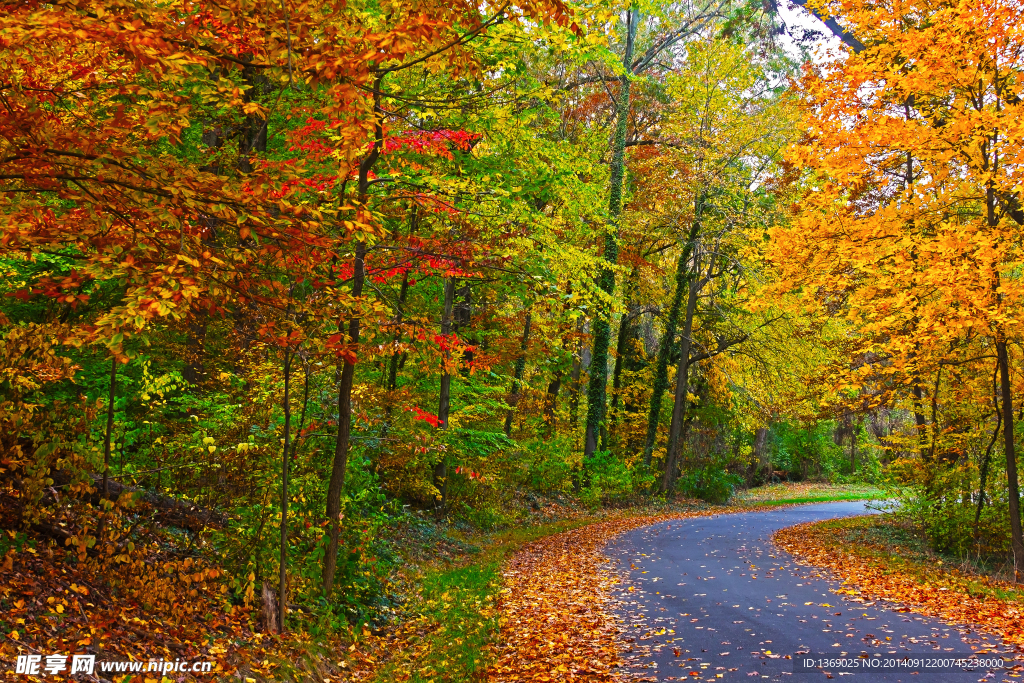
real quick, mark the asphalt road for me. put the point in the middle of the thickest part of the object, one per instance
(711, 598)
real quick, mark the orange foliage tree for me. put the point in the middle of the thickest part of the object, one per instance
(911, 227)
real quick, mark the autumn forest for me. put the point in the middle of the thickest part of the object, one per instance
(300, 300)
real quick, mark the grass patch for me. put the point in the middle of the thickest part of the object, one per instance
(816, 499)
(776, 494)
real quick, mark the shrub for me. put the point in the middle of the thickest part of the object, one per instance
(710, 483)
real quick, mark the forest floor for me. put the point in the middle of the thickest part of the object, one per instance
(443, 626)
(456, 615)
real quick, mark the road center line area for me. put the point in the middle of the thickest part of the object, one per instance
(711, 598)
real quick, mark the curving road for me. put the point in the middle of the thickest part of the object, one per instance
(711, 598)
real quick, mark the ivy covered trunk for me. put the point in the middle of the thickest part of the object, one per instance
(598, 386)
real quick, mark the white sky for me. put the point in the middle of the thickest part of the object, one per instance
(797, 17)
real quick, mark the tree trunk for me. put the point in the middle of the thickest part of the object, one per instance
(282, 585)
(984, 475)
(269, 620)
(668, 340)
(675, 431)
(517, 376)
(1016, 535)
(110, 426)
(622, 349)
(551, 402)
(853, 451)
(391, 383)
(195, 348)
(919, 420)
(621, 342)
(988, 455)
(253, 133)
(761, 451)
(575, 377)
(444, 400)
(392, 380)
(597, 387)
(341, 444)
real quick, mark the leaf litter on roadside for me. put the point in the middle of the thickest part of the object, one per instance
(872, 573)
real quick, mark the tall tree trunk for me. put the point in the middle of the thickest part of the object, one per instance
(444, 399)
(195, 348)
(668, 340)
(392, 380)
(621, 342)
(550, 403)
(919, 420)
(517, 376)
(622, 349)
(1016, 535)
(253, 133)
(575, 377)
(195, 341)
(988, 455)
(761, 451)
(597, 388)
(109, 432)
(675, 432)
(391, 383)
(252, 140)
(853, 451)
(341, 444)
(282, 582)
(984, 475)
